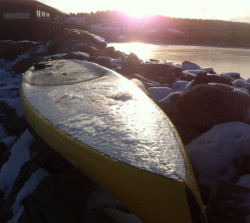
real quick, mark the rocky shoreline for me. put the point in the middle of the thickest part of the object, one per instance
(210, 111)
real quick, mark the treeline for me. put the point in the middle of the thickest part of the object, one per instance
(194, 31)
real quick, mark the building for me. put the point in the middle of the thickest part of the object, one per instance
(30, 19)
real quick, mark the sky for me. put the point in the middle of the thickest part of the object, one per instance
(203, 9)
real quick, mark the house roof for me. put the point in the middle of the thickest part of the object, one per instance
(30, 3)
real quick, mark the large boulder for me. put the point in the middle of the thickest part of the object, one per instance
(163, 73)
(59, 198)
(158, 93)
(10, 50)
(158, 72)
(98, 41)
(187, 65)
(70, 45)
(206, 105)
(130, 65)
(103, 61)
(110, 52)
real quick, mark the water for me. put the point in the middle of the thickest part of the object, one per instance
(221, 59)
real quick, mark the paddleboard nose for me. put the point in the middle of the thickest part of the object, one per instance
(62, 72)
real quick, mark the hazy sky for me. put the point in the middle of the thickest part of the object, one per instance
(205, 9)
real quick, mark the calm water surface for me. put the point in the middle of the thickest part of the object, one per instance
(222, 60)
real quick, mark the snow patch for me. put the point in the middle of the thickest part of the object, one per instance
(27, 189)
(241, 91)
(244, 180)
(8, 140)
(213, 153)
(14, 103)
(20, 154)
(179, 86)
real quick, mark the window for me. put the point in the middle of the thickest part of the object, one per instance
(48, 16)
(16, 15)
(38, 13)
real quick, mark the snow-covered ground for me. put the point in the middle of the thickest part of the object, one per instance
(213, 155)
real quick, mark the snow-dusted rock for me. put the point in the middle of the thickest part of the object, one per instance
(186, 76)
(179, 86)
(108, 62)
(233, 75)
(171, 98)
(158, 93)
(241, 83)
(103, 61)
(111, 52)
(228, 77)
(72, 45)
(215, 154)
(195, 72)
(98, 41)
(208, 70)
(146, 82)
(187, 65)
(189, 85)
(26, 60)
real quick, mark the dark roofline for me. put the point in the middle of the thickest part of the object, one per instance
(35, 3)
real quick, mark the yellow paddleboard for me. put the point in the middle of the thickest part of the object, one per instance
(109, 129)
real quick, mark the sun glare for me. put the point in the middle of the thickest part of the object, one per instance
(138, 13)
(143, 51)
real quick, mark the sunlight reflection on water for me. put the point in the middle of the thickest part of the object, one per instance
(142, 50)
(221, 59)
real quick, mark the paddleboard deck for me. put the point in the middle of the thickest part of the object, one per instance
(109, 129)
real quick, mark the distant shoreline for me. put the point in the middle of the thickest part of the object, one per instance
(223, 59)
